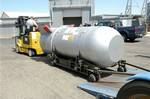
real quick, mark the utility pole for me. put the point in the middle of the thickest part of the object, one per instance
(144, 13)
(51, 11)
(70, 2)
(144, 9)
(128, 10)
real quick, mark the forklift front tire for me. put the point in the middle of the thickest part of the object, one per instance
(17, 49)
(31, 52)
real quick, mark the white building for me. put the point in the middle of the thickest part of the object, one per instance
(7, 14)
(64, 12)
(8, 19)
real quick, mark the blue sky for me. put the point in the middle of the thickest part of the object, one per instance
(41, 6)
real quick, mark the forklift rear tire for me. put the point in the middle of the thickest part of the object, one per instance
(31, 53)
(135, 90)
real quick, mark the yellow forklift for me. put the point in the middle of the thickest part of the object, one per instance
(28, 43)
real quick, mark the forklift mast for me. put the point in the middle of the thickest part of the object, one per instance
(21, 24)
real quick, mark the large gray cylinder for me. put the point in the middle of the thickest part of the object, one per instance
(100, 45)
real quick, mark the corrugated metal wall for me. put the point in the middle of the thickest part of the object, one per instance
(8, 29)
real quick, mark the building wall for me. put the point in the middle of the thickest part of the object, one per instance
(4, 15)
(59, 14)
(86, 16)
(57, 18)
(71, 8)
(72, 2)
(8, 29)
(72, 12)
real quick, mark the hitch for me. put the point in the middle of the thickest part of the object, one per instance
(123, 63)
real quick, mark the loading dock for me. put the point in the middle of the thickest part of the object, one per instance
(72, 20)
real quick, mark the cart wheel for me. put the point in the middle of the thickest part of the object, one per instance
(135, 90)
(98, 76)
(125, 69)
(52, 63)
(31, 52)
(121, 69)
(17, 49)
(92, 78)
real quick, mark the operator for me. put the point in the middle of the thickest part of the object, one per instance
(31, 25)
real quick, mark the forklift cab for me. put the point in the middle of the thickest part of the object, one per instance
(21, 25)
(27, 41)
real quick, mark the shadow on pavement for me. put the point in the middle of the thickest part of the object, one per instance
(144, 56)
(135, 41)
(45, 59)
